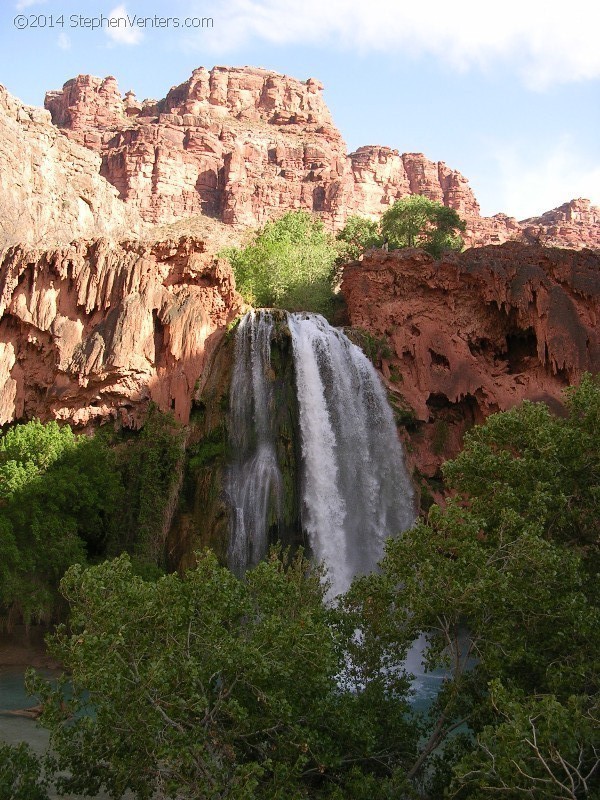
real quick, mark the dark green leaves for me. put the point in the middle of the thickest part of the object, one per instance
(417, 221)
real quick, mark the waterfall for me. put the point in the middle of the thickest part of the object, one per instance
(254, 481)
(355, 488)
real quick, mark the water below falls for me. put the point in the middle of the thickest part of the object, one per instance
(355, 490)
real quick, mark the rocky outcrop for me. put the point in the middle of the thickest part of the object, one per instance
(50, 188)
(477, 332)
(575, 224)
(242, 144)
(97, 330)
(245, 145)
(382, 175)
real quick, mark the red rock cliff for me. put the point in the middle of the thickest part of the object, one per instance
(50, 188)
(96, 330)
(245, 145)
(477, 332)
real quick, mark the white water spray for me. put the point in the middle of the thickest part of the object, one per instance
(355, 488)
(254, 481)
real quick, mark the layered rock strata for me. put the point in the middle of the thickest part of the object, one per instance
(97, 330)
(51, 190)
(477, 332)
(245, 145)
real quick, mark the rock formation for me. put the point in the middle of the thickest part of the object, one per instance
(575, 224)
(241, 144)
(50, 188)
(95, 330)
(245, 144)
(477, 332)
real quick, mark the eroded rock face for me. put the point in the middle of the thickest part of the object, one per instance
(477, 332)
(97, 330)
(575, 224)
(382, 176)
(50, 188)
(242, 144)
(245, 145)
(239, 144)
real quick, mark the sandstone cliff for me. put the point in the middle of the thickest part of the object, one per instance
(95, 330)
(575, 224)
(477, 332)
(50, 188)
(245, 144)
(241, 144)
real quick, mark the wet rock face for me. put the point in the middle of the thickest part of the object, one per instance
(477, 332)
(97, 330)
(203, 517)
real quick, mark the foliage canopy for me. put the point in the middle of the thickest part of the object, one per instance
(417, 221)
(289, 264)
(58, 493)
(68, 499)
(502, 583)
(207, 686)
(357, 235)
(211, 686)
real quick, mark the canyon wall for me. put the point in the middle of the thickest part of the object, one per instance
(476, 332)
(245, 145)
(51, 190)
(96, 330)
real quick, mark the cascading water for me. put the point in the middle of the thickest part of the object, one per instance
(355, 488)
(254, 483)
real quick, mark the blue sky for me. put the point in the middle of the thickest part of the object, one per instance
(508, 93)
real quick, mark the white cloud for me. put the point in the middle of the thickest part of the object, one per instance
(123, 32)
(544, 42)
(64, 42)
(528, 188)
(22, 4)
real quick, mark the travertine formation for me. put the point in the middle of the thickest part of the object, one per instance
(50, 188)
(245, 144)
(477, 332)
(95, 330)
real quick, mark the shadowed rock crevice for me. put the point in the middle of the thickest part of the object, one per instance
(97, 330)
(493, 325)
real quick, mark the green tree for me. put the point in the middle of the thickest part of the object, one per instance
(288, 264)
(58, 495)
(502, 583)
(210, 686)
(150, 465)
(417, 221)
(21, 775)
(357, 235)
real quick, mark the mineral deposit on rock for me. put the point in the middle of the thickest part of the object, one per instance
(96, 330)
